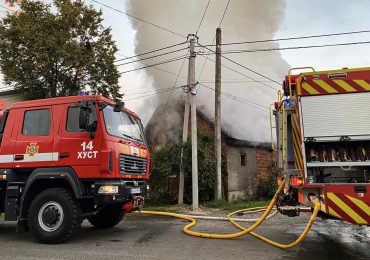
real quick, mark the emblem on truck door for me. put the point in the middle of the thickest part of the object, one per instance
(32, 149)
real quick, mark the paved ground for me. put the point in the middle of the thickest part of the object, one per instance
(149, 237)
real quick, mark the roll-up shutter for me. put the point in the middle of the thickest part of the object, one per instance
(336, 115)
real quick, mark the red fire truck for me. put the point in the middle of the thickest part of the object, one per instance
(323, 141)
(63, 160)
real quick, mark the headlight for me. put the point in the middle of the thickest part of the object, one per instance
(108, 189)
(147, 187)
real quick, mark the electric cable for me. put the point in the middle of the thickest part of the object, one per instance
(237, 63)
(139, 19)
(240, 100)
(204, 14)
(149, 52)
(223, 15)
(6, 8)
(214, 38)
(293, 38)
(153, 94)
(246, 76)
(292, 48)
(169, 96)
(151, 57)
(153, 65)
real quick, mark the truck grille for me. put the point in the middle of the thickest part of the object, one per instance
(132, 165)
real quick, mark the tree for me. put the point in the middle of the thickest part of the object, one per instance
(51, 50)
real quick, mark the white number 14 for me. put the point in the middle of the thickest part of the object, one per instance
(88, 146)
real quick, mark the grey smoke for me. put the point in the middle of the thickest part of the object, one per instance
(245, 20)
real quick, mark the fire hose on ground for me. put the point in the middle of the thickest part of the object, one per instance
(244, 230)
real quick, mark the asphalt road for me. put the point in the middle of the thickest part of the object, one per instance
(153, 237)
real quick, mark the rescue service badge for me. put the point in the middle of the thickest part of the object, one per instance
(32, 149)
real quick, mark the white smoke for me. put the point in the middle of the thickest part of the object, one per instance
(245, 20)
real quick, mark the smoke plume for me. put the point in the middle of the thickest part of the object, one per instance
(245, 20)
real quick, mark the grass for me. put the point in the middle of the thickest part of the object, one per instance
(232, 206)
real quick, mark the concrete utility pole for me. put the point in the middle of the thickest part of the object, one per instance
(184, 139)
(218, 189)
(194, 140)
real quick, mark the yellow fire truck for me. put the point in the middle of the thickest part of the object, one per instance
(323, 141)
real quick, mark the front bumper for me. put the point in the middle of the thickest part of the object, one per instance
(127, 191)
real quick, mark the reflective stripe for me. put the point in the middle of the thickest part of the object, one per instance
(39, 157)
(362, 205)
(363, 84)
(309, 88)
(344, 85)
(343, 206)
(325, 86)
(6, 158)
(334, 213)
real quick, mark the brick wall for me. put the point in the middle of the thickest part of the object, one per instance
(265, 159)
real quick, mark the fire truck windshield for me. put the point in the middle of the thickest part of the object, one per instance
(121, 124)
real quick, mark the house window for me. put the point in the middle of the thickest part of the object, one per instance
(243, 159)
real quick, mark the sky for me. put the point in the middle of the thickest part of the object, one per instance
(301, 18)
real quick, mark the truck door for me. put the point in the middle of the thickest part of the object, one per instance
(76, 147)
(35, 138)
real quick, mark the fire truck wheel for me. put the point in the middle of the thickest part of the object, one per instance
(108, 217)
(54, 216)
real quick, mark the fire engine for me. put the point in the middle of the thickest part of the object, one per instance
(323, 142)
(66, 159)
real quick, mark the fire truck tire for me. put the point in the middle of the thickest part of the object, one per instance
(54, 216)
(108, 217)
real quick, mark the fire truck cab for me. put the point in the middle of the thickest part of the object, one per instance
(323, 141)
(66, 159)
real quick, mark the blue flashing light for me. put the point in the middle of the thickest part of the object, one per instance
(287, 102)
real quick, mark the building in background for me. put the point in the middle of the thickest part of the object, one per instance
(11, 96)
(248, 163)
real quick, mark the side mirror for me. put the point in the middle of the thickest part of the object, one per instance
(119, 106)
(83, 118)
(87, 117)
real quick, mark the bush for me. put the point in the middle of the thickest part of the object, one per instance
(166, 164)
(267, 187)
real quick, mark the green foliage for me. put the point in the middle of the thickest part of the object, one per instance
(57, 50)
(166, 163)
(268, 187)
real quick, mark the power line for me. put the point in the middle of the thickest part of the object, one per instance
(214, 38)
(294, 47)
(169, 96)
(293, 38)
(157, 68)
(240, 100)
(153, 94)
(151, 57)
(237, 63)
(139, 19)
(6, 7)
(240, 73)
(153, 65)
(148, 52)
(223, 15)
(204, 14)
